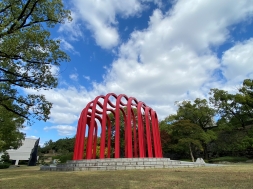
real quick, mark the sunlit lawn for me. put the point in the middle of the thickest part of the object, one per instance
(236, 176)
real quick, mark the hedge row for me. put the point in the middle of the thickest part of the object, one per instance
(4, 165)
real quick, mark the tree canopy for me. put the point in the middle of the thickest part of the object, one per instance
(230, 134)
(10, 135)
(198, 112)
(238, 107)
(28, 55)
(187, 136)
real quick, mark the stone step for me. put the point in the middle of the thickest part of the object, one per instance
(121, 160)
(120, 164)
(95, 168)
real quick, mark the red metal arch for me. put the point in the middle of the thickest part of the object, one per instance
(141, 133)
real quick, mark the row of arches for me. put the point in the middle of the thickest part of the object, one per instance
(137, 123)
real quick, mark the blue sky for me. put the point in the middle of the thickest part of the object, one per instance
(157, 51)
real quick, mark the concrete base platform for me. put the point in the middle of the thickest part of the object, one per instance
(120, 164)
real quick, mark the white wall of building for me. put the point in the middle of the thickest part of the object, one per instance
(23, 152)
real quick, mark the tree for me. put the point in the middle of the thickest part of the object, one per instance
(238, 107)
(10, 123)
(187, 136)
(199, 113)
(5, 158)
(236, 113)
(28, 54)
(48, 145)
(231, 139)
(247, 91)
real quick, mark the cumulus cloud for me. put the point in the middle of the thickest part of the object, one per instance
(100, 18)
(67, 103)
(171, 60)
(237, 61)
(63, 130)
(72, 29)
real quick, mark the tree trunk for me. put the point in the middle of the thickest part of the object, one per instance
(191, 152)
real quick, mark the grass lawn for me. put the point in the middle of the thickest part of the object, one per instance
(236, 176)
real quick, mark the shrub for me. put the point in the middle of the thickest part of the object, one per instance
(4, 165)
(64, 158)
(229, 159)
(5, 158)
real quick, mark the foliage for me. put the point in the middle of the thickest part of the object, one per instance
(4, 165)
(235, 132)
(165, 141)
(5, 158)
(63, 146)
(10, 135)
(247, 92)
(229, 159)
(187, 136)
(64, 158)
(28, 55)
(237, 108)
(232, 140)
(198, 112)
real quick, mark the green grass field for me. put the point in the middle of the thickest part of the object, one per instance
(236, 176)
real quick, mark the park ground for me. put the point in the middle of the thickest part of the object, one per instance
(231, 176)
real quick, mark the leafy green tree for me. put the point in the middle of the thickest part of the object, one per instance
(64, 145)
(236, 113)
(228, 106)
(48, 145)
(231, 140)
(28, 54)
(199, 113)
(10, 123)
(187, 136)
(5, 158)
(247, 92)
(238, 107)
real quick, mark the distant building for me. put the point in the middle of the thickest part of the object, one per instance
(28, 151)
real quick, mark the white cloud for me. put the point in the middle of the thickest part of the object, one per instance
(63, 130)
(33, 137)
(67, 103)
(100, 18)
(237, 61)
(74, 77)
(54, 70)
(67, 46)
(170, 60)
(72, 29)
(86, 77)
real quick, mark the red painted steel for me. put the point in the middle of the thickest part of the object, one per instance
(135, 119)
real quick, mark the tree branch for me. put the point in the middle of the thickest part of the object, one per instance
(4, 9)
(19, 18)
(13, 111)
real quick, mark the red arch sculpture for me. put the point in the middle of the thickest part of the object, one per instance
(141, 133)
